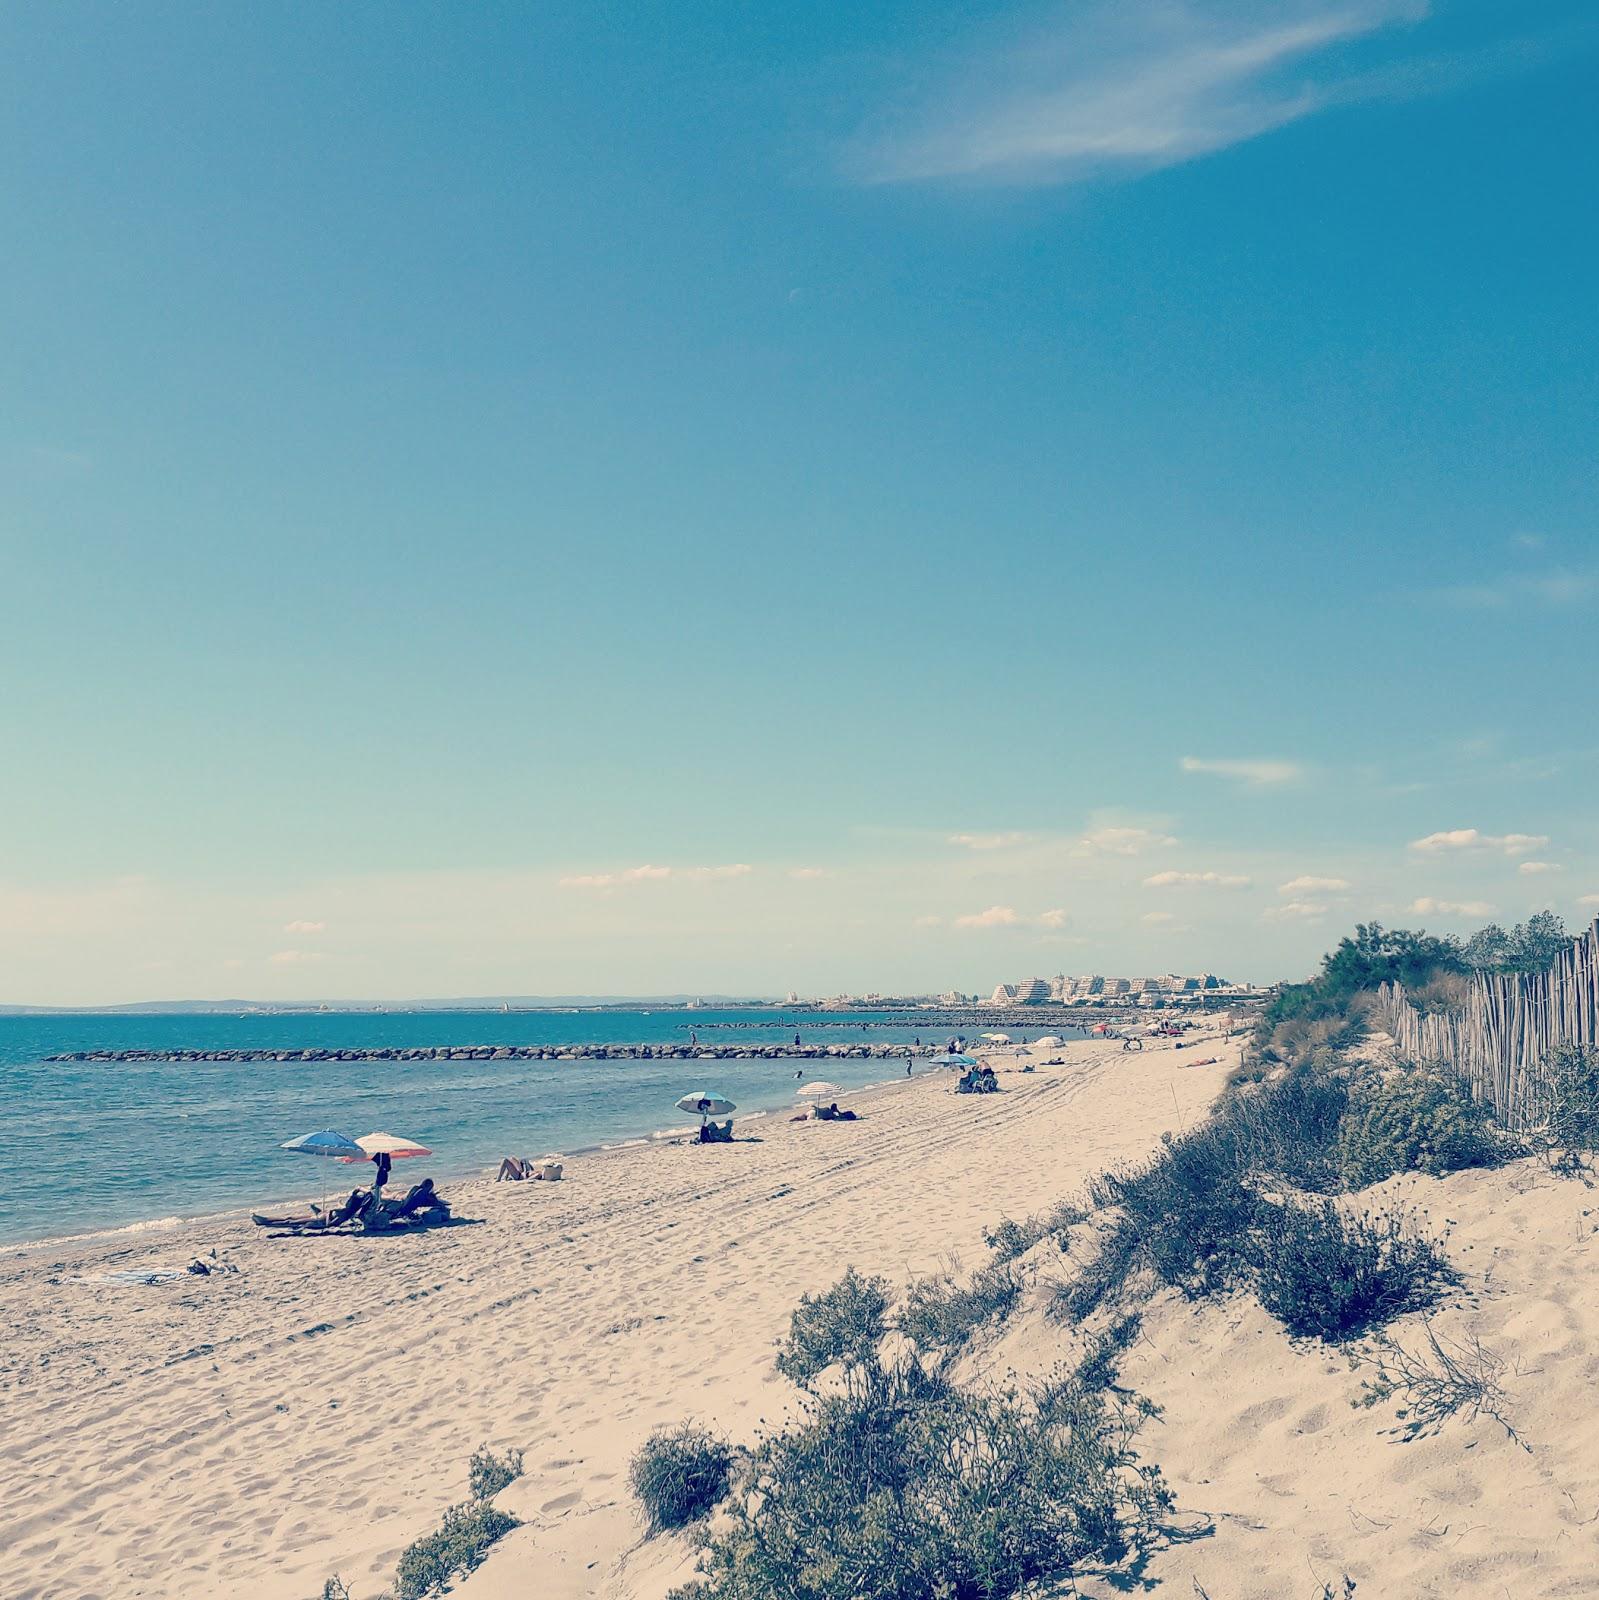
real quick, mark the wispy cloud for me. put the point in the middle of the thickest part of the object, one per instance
(1009, 917)
(1115, 841)
(1559, 588)
(1258, 774)
(292, 958)
(1312, 885)
(1214, 880)
(1296, 911)
(1130, 86)
(988, 841)
(1455, 839)
(807, 874)
(1536, 869)
(1426, 906)
(305, 927)
(649, 874)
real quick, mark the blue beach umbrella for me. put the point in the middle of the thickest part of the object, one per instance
(953, 1060)
(326, 1142)
(708, 1102)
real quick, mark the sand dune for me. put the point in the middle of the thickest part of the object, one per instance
(314, 1412)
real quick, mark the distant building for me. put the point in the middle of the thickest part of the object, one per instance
(1115, 986)
(1032, 992)
(1004, 994)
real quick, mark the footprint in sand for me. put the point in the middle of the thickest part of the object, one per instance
(561, 1502)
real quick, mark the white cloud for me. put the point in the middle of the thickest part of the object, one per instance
(1311, 885)
(1558, 588)
(928, 922)
(1113, 841)
(1295, 911)
(1215, 880)
(1426, 906)
(1533, 869)
(1130, 86)
(291, 958)
(1512, 844)
(988, 841)
(1051, 921)
(1156, 918)
(649, 874)
(1588, 900)
(305, 927)
(1258, 774)
(806, 874)
(994, 917)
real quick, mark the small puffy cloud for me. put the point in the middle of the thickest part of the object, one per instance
(1258, 774)
(1534, 869)
(994, 917)
(1051, 921)
(1512, 844)
(1214, 880)
(1124, 841)
(294, 958)
(1295, 911)
(305, 927)
(649, 874)
(1427, 906)
(1311, 885)
(988, 841)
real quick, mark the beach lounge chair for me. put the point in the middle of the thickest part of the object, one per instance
(317, 1220)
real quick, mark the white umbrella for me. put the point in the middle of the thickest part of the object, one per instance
(391, 1144)
(707, 1102)
(819, 1090)
(997, 1038)
(1048, 1042)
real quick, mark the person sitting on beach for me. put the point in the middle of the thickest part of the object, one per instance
(513, 1169)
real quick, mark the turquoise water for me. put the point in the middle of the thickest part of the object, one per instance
(89, 1146)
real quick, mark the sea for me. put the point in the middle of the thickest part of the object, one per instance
(87, 1147)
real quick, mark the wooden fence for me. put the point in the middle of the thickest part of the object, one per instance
(1501, 1040)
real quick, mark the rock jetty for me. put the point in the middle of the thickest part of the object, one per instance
(671, 1051)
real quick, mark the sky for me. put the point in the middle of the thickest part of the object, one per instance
(735, 498)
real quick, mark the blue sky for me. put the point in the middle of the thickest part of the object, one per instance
(957, 464)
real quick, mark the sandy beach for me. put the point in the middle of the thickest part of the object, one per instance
(312, 1412)
(254, 1432)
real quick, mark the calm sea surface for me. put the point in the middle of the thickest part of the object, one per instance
(90, 1146)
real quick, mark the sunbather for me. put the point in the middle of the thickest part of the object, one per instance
(513, 1169)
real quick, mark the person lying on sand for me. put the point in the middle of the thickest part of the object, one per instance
(513, 1169)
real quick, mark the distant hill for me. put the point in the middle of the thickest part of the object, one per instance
(493, 1002)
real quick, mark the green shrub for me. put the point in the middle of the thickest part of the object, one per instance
(460, 1545)
(1008, 1239)
(1568, 1107)
(842, 1325)
(1417, 1119)
(940, 1315)
(904, 1487)
(679, 1474)
(1328, 1276)
(488, 1473)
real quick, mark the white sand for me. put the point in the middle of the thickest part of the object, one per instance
(251, 1434)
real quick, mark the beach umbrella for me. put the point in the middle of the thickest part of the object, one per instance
(820, 1090)
(391, 1145)
(997, 1038)
(326, 1142)
(707, 1102)
(1048, 1042)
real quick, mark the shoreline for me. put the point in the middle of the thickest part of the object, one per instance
(245, 1432)
(168, 1224)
